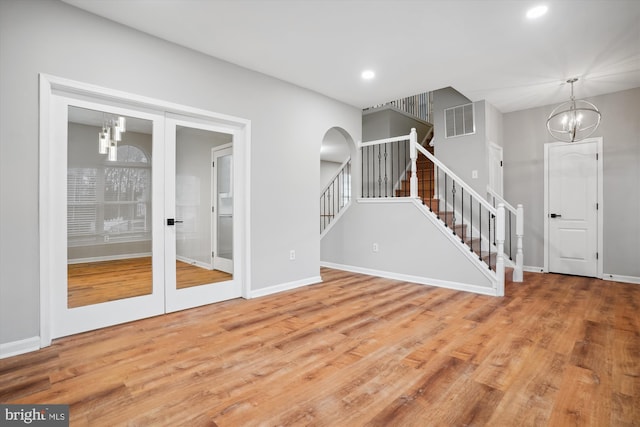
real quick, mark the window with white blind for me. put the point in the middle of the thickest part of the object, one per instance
(111, 202)
(459, 121)
(81, 201)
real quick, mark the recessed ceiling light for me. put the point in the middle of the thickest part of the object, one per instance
(537, 12)
(368, 74)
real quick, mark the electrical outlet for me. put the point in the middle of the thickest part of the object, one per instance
(376, 248)
(292, 255)
(474, 174)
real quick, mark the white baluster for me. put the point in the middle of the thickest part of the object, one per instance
(500, 225)
(517, 271)
(413, 153)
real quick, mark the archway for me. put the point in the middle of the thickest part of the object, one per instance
(336, 152)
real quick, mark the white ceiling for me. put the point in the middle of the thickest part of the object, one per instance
(486, 49)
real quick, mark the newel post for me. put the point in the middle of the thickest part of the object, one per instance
(413, 153)
(500, 225)
(517, 271)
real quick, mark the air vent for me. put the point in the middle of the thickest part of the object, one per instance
(459, 121)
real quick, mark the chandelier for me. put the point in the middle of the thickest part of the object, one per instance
(573, 120)
(110, 135)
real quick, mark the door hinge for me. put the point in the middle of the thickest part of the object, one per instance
(212, 254)
(213, 164)
(597, 206)
(596, 255)
(596, 156)
(211, 208)
(500, 163)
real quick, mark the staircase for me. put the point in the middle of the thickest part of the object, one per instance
(400, 167)
(480, 228)
(427, 192)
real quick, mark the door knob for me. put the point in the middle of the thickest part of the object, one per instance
(555, 215)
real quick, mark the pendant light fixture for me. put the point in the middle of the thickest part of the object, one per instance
(574, 120)
(109, 137)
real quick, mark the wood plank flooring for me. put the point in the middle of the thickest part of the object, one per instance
(357, 351)
(98, 282)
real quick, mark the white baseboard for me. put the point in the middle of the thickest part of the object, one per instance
(284, 287)
(532, 269)
(413, 279)
(19, 347)
(194, 262)
(109, 258)
(619, 278)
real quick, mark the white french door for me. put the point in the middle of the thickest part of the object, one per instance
(573, 207)
(128, 229)
(105, 213)
(192, 233)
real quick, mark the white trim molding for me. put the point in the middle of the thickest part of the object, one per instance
(285, 287)
(457, 286)
(15, 348)
(620, 278)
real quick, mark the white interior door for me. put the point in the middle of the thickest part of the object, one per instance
(104, 211)
(572, 200)
(193, 276)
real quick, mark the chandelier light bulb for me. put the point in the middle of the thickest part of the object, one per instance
(113, 152)
(103, 142)
(574, 120)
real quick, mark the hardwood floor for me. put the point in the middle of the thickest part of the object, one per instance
(188, 275)
(97, 282)
(357, 351)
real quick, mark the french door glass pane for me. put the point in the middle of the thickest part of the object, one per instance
(109, 199)
(195, 207)
(225, 208)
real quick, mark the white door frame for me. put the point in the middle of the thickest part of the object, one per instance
(51, 85)
(600, 201)
(495, 148)
(221, 263)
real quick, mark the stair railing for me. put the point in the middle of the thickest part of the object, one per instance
(514, 215)
(384, 167)
(462, 209)
(336, 195)
(420, 105)
(472, 219)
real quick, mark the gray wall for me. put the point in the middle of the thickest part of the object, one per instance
(462, 154)
(288, 124)
(524, 136)
(408, 242)
(328, 171)
(389, 122)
